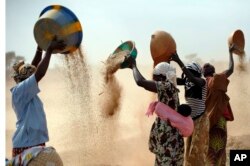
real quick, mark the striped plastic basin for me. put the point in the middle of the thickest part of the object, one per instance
(126, 46)
(56, 20)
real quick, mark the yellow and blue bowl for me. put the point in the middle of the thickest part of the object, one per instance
(56, 20)
(126, 46)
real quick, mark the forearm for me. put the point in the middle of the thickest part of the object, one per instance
(43, 66)
(142, 82)
(196, 80)
(137, 75)
(231, 65)
(38, 56)
(185, 70)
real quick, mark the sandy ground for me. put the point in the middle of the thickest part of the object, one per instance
(82, 136)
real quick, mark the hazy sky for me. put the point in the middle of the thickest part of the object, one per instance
(200, 27)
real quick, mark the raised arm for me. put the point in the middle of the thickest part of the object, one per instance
(38, 56)
(140, 80)
(44, 63)
(230, 69)
(196, 80)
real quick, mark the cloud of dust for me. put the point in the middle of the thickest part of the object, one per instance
(111, 94)
(242, 66)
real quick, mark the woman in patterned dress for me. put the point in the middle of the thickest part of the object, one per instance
(219, 110)
(165, 141)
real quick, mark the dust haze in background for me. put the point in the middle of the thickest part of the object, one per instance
(82, 136)
(242, 62)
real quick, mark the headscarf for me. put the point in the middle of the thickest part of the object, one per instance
(194, 66)
(167, 70)
(22, 71)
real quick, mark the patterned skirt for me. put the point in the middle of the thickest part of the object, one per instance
(166, 143)
(17, 151)
(217, 143)
(197, 144)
